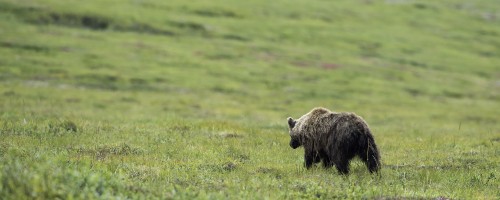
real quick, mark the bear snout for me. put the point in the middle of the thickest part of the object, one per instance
(294, 144)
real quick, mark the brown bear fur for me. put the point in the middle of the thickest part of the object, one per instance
(335, 139)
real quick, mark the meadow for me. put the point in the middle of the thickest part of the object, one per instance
(150, 99)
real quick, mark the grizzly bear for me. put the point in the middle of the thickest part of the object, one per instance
(334, 138)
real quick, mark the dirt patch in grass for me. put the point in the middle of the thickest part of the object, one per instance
(270, 171)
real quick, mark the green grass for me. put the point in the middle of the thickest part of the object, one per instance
(188, 99)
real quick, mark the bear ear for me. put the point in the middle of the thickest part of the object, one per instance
(291, 122)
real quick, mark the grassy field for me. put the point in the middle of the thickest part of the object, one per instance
(112, 99)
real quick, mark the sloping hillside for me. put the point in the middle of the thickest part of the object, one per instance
(185, 99)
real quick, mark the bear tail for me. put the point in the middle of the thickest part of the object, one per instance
(370, 154)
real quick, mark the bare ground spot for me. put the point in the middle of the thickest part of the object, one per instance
(329, 65)
(270, 171)
(229, 135)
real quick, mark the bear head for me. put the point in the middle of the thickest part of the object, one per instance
(295, 141)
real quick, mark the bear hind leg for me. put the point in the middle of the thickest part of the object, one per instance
(371, 158)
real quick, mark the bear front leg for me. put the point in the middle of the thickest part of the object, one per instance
(317, 158)
(342, 166)
(309, 157)
(327, 163)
